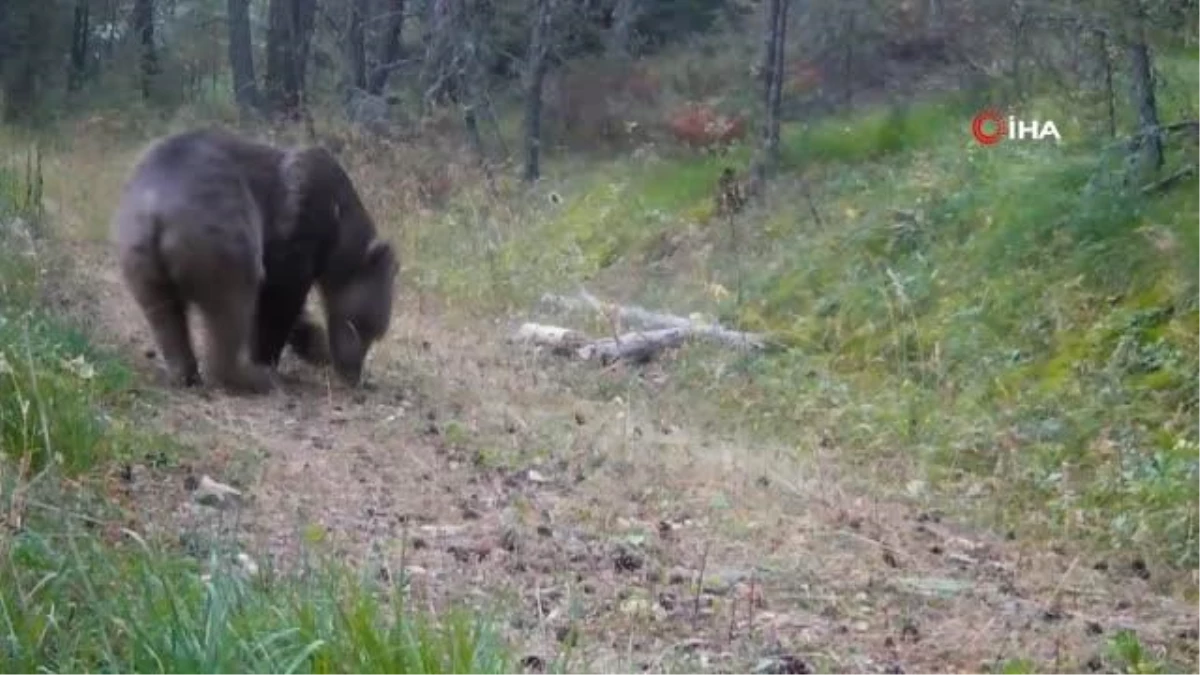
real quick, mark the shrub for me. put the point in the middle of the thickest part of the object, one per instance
(700, 126)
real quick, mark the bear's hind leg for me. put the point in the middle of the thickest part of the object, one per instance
(166, 313)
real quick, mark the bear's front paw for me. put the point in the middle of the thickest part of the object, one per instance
(250, 379)
(183, 378)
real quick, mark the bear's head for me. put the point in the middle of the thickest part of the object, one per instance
(359, 310)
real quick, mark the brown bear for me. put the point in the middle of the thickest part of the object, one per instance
(243, 230)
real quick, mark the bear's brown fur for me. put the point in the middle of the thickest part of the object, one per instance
(243, 230)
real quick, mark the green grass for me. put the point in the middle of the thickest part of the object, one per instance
(55, 391)
(875, 134)
(1017, 332)
(80, 594)
(69, 603)
(1016, 323)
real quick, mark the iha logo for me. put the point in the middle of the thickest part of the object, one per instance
(990, 127)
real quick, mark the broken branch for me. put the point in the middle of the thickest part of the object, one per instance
(1170, 181)
(659, 331)
(636, 346)
(660, 324)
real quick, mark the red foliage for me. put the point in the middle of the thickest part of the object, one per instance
(700, 126)
(801, 76)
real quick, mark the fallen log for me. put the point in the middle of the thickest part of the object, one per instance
(1170, 181)
(560, 341)
(655, 321)
(638, 346)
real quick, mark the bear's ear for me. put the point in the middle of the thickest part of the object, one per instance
(381, 256)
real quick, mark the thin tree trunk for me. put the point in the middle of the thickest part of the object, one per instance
(22, 66)
(25, 54)
(1109, 94)
(278, 52)
(848, 58)
(934, 18)
(389, 47)
(7, 37)
(356, 48)
(80, 29)
(534, 80)
(1142, 76)
(773, 49)
(775, 90)
(440, 71)
(143, 27)
(113, 16)
(472, 83)
(1018, 49)
(305, 20)
(624, 16)
(241, 56)
(288, 35)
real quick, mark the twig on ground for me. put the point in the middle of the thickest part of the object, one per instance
(700, 584)
(732, 618)
(1170, 181)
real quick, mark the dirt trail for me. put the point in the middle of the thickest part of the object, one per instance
(469, 465)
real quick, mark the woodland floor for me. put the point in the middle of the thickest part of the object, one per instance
(472, 466)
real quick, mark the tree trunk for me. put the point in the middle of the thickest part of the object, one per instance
(80, 28)
(143, 27)
(389, 48)
(306, 14)
(775, 91)
(1110, 98)
(278, 53)
(848, 65)
(289, 32)
(440, 77)
(7, 31)
(773, 50)
(1149, 139)
(1018, 50)
(934, 18)
(356, 48)
(241, 56)
(288, 35)
(621, 33)
(535, 77)
(24, 43)
(471, 70)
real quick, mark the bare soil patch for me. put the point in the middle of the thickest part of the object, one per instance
(470, 468)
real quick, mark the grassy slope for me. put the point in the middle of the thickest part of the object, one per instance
(1006, 328)
(78, 592)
